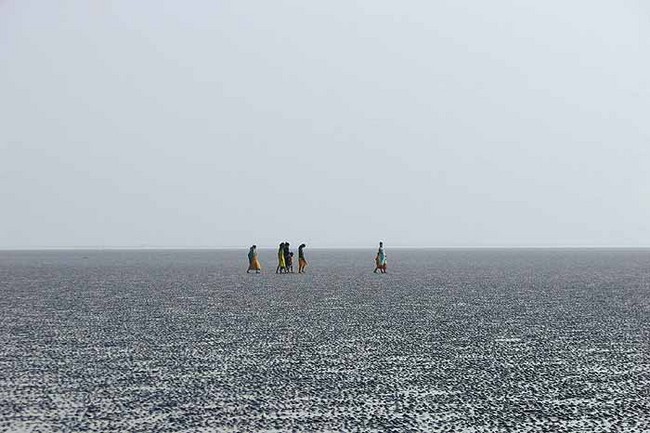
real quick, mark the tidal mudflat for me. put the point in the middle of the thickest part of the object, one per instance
(448, 340)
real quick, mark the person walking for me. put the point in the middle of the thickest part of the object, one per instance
(253, 262)
(381, 263)
(281, 263)
(302, 262)
(287, 257)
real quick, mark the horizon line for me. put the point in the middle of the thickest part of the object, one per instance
(443, 247)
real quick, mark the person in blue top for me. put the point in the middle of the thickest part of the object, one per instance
(253, 261)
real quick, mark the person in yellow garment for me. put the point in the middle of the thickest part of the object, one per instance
(281, 263)
(253, 262)
(302, 262)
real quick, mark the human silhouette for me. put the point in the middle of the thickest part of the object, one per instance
(381, 263)
(302, 262)
(253, 262)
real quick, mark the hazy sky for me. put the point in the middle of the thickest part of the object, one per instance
(338, 123)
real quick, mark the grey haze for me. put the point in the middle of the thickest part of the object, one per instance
(337, 123)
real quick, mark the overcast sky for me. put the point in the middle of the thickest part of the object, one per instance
(337, 123)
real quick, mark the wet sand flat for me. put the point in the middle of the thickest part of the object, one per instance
(448, 340)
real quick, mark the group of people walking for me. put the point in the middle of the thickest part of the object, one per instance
(285, 259)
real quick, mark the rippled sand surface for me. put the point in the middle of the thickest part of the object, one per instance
(467, 341)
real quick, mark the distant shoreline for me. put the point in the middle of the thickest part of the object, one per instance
(370, 247)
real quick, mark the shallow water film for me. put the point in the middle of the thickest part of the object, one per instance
(447, 340)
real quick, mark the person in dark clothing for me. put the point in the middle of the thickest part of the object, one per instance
(287, 256)
(302, 262)
(290, 263)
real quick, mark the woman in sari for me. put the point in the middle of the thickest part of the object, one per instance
(287, 258)
(253, 262)
(302, 262)
(281, 263)
(381, 263)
